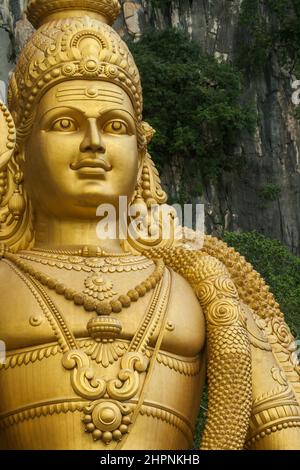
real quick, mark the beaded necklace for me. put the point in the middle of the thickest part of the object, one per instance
(105, 307)
(79, 263)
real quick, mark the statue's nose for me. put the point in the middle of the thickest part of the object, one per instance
(92, 141)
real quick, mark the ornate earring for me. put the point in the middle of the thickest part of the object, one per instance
(142, 191)
(16, 204)
(155, 218)
(3, 184)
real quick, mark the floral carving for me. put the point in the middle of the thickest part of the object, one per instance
(206, 292)
(226, 286)
(223, 312)
(282, 332)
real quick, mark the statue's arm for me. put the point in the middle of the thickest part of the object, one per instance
(275, 417)
(228, 347)
(252, 379)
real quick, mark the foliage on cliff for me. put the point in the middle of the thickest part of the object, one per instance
(278, 267)
(262, 36)
(193, 102)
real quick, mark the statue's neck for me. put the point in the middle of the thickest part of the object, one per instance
(51, 232)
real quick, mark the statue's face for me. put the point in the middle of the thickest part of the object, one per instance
(82, 150)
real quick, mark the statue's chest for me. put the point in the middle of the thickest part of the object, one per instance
(117, 370)
(28, 320)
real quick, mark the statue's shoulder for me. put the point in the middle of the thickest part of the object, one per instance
(14, 290)
(181, 286)
(20, 310)
(216, 258)
(14, 301)
(252, 288)
(6, 271)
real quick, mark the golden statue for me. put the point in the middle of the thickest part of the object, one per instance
(109, 340)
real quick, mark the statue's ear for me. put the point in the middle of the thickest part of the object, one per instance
(16, 215)
(148, 132)
(20, 154)
(145, 135)
(7, 136)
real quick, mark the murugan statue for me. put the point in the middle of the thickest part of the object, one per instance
(109, 341)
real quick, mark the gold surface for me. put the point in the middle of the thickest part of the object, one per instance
(132, 376)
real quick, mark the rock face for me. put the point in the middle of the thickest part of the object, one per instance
(265, 195)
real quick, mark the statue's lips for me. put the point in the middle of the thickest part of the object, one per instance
(97, 166)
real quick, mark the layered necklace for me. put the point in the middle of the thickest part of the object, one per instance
(107, 263)
(107, 416)
(98, 293)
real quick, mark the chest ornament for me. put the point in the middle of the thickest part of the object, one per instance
(106, 417)
(114, 399)
(98, 292)
(98, 288)
(110, 413)
(101, 262)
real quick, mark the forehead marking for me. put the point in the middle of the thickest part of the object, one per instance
(79, 94)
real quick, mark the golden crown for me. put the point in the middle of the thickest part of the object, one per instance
(39, 10)
(78, 45)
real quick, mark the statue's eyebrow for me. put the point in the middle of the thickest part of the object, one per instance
(101, 112)
(61, 109)
(121, 110)
(93, 93)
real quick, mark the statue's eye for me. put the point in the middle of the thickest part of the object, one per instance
(64, 125)
(116, 127)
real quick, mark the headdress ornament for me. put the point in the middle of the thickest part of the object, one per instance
(73, 41)
(38, 11)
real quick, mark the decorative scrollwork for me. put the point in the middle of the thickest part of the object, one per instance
(226, 286)
(206, 292)
(122, 388)
(282, 332)
(223, 312)
(127, 384)
(83, 378)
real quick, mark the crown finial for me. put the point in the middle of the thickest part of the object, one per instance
(39, 11)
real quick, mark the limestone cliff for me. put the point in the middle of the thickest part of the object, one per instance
(271, 154)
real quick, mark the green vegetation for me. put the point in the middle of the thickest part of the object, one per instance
(262, 37)
(278, 267)
(201, 420)
(253, 51)
(270, 192)
(193, 102)
(160, 3)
